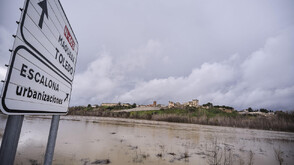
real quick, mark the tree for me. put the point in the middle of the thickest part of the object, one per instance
(263, 110)
(209, 104)
(134, 105)
(250, 109)
(89, 107)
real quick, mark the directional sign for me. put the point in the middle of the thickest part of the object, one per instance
(42, 65)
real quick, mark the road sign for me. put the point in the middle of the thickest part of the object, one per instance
(42, 65)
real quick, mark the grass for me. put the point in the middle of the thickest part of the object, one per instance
(192, 112)
(282, 121)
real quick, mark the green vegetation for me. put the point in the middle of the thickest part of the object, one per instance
(208, 115)
(118, 107)
(188, 112)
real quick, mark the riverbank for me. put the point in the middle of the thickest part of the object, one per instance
(279, 122)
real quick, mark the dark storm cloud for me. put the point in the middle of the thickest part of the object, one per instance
(263, 80)
(226, 52)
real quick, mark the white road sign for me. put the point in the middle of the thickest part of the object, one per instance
(42, 65)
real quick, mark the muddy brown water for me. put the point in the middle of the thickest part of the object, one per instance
(94, 140)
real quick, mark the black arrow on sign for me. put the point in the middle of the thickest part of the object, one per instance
(43, 5)
(67, 94)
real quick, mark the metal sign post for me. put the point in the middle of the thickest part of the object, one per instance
(10, 139)
(51, 140)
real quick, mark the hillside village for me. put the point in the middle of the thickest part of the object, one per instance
(192, 112)
(177, 105)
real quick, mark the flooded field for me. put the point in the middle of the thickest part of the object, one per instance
(92, 140)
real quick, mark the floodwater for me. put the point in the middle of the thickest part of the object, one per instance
(95, 140)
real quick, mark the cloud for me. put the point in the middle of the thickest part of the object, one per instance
(201, 83)
(140, 57)
(2, 76)
(6, 42)
(264, 79)
(272, 65)
(106, 77)
(96, 83)
(134, 51)
(190, 33)
(2, 72)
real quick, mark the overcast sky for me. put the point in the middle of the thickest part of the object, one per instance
(228, 52)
